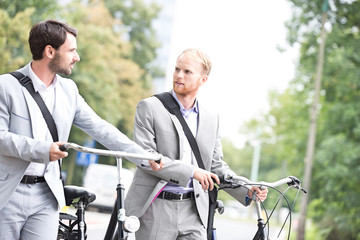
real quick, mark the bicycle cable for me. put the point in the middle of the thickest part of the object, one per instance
(267, 224)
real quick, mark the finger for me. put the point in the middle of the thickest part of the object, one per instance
(154, 166)
(203, 186)
(208, 183)
(62, 155)
(211, 182)
(215, 177)
(203, 183)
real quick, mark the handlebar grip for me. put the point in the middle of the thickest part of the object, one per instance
(63, 148)
(222, 179)
(225, 179)
(158, 161)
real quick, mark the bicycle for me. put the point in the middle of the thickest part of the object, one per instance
(263, 226)
(73, 227)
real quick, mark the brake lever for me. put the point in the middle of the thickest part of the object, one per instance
(296, 183)
(63, 148)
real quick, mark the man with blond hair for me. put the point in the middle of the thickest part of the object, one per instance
(173, 203)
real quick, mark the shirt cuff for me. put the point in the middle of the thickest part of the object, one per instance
(247, 200)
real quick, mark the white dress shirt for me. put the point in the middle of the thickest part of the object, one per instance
(48, 95)
(191, 118)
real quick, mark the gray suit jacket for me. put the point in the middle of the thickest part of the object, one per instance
(157, 130)
(19, 144)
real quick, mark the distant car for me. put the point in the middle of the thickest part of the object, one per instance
(102, 180)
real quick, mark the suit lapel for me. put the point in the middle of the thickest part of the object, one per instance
(180, 132)
(202, 136)
(34, 111)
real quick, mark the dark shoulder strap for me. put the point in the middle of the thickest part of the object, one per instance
(27, 83)
(168, 101)
(172, 106)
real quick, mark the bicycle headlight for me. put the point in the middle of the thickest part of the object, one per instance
(131, 224)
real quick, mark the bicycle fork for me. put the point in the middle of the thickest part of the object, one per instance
(118, 217)
(81, 218)
(261, 233)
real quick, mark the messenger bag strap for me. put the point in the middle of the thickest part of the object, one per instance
(173, 107)
(27, 83)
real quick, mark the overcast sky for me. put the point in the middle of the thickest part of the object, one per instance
(241, 37)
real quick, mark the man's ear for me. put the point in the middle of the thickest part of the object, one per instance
(49, 52)
(204, 79)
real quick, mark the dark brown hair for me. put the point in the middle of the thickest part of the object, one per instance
(49, 32)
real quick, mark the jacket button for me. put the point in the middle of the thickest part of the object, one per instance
(197, 195)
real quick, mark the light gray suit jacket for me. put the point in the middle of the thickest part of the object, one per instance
(157, 130)
(19, 144)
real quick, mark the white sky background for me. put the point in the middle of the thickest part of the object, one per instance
(241, 37)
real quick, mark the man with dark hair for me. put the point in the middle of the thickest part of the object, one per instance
(31, 189)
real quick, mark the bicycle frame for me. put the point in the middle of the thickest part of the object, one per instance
(80, 198)
(237, 181)
(125, 224)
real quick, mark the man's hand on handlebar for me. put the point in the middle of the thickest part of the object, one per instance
(261, 193)
(206, 178)
(55, 153)
(157, 166)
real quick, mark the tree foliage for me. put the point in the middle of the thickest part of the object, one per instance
(44, 8)
(136, 18)
(107, 77)
(336, 171)
(14, 50)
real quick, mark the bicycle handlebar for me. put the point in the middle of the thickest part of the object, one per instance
(154, 157)
(242, 181)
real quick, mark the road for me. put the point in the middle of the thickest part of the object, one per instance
(228, 228)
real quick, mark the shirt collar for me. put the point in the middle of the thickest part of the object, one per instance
(195, 108)
(38, 84)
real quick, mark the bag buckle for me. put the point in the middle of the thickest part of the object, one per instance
(25, 80)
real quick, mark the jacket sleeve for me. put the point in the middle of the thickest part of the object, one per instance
(16, 138)
(105, 133)
(148, 136)
(220, 167)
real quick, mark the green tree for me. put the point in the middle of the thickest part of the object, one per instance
(107, 78)
(333, 196)
(136, 21)
(14, 50)
(109, 82)
(337, 158)
(43, 8)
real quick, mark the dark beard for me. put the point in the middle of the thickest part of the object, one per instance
(54, 66)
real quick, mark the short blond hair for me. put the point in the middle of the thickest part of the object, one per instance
(200, 56)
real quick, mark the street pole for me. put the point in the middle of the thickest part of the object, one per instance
(256, 156)
(310, 148)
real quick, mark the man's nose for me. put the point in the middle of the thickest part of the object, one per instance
(180, 74)
(77, 57)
